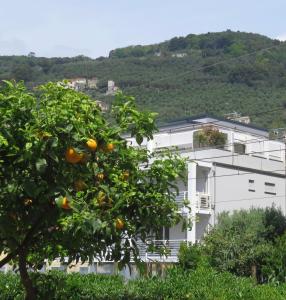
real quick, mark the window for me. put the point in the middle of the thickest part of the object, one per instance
(239, 148)
(164, 234)
(251, 187)
(269, 188)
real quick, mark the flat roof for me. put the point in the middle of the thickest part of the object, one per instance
(209, 119)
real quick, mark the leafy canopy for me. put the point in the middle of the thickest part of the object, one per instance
(249, 243)
(61, 197)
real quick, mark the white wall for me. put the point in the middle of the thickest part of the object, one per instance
(232, 191)
(177, 233)
(246, 161)
(183, 138)
(202, 223)
(228, 182)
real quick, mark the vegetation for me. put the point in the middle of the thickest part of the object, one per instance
(213, 73)
(204, 283)
(209, 136)
(246, 243)
(71, 186)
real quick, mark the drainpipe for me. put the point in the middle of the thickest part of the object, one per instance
(214, 197)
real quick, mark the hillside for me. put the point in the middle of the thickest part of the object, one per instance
(216, 73)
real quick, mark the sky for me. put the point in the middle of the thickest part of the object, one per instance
(94, 27)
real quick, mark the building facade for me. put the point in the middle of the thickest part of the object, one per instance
(247, 171)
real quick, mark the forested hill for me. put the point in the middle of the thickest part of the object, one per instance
(213, 73)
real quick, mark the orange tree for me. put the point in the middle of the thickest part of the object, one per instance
(70, 184)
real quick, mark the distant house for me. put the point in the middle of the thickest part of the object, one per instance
(179, 55)
(111, 88)
(238, 117)
(78, 84)
(92, 83)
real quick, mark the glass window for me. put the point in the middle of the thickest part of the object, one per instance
(251, 187)
(270, 188)
(239, 148)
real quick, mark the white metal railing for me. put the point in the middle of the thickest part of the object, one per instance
(181, 198)
(203, 201)
(159, 249)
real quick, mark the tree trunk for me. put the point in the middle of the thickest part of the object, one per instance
(254, 272)
(25, 279)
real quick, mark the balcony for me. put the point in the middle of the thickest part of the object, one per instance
(181, 199)
(160, 250)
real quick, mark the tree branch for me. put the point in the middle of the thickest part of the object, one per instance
(25, 242)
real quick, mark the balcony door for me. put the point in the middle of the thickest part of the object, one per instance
(164, 234)
(202, 180)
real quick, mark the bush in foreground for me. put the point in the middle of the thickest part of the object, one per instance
(203, 284)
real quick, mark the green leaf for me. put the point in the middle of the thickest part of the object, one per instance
(41, 165)
(3, 141)
(139, 139)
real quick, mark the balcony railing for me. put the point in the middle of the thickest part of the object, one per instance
(181, 198)
(160, 249)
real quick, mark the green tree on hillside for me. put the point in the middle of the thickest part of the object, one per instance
(177, 43)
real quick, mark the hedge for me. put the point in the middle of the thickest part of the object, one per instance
(201, 284)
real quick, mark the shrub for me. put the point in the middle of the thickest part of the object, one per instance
(204, 283)
(209, 136)
(191, 256)
(249, 243)
(10, 287)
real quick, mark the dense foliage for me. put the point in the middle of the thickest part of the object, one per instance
(201, 284)
(216, 73)
(246, 243)
(70, 184)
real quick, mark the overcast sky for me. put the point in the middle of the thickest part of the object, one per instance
(94, 27)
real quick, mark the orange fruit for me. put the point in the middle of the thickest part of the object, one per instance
(79, 185)
(65, 203)
(110, 147)
(72, 156)
(91, 144)
(119, 224)
(100, 176)
(62, 202)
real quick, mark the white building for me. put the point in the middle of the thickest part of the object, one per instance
(248, 171)
(78, 84)
(111, 88)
